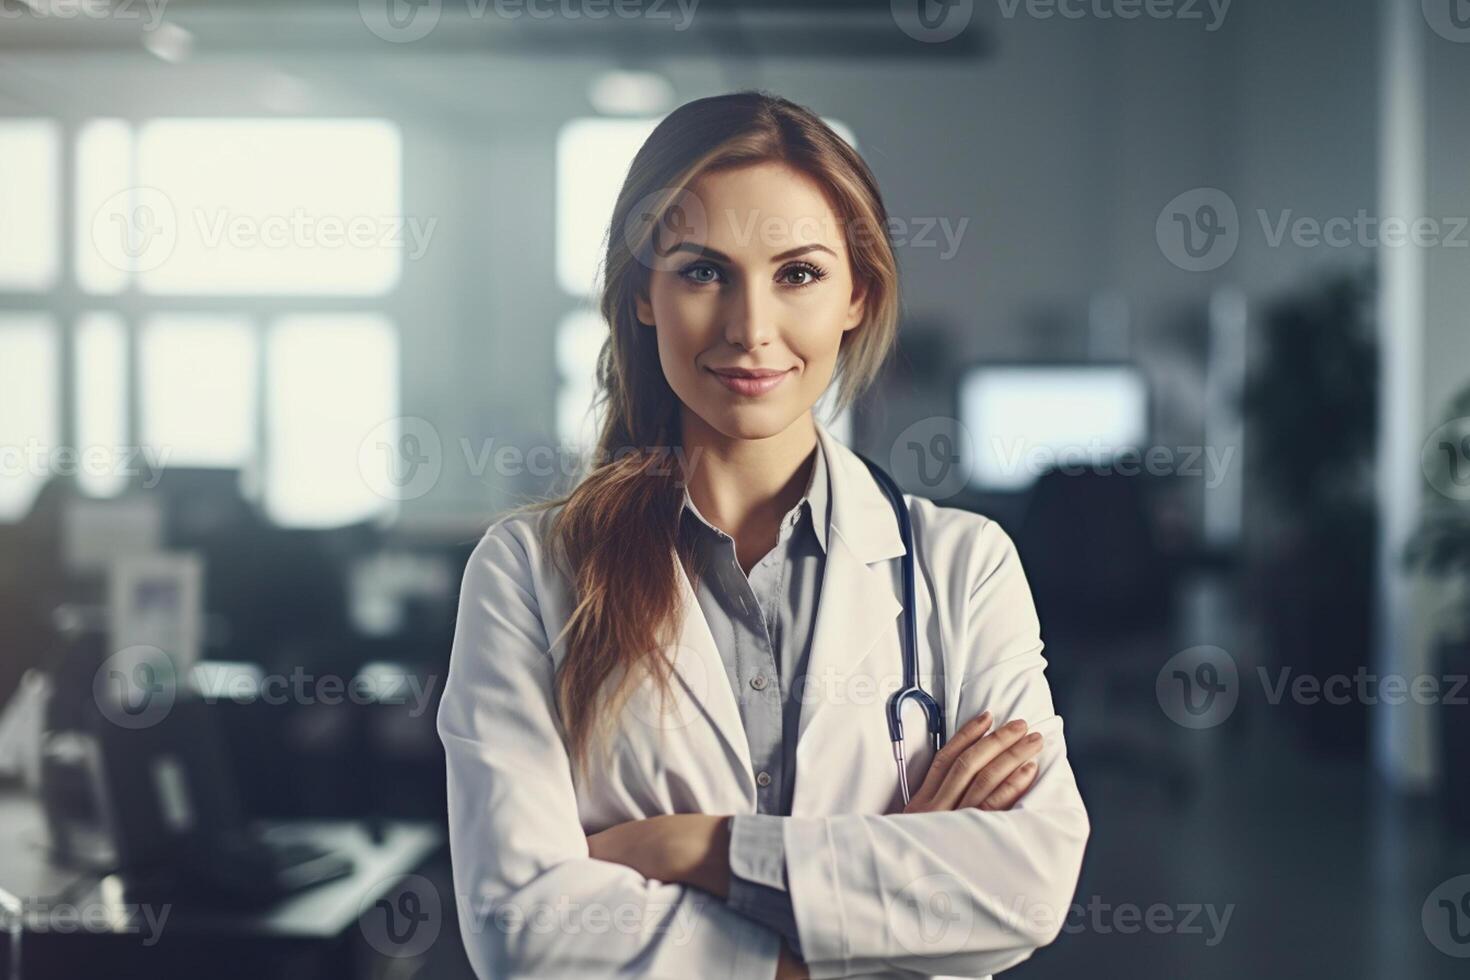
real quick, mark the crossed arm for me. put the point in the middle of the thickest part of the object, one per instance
(982, 766)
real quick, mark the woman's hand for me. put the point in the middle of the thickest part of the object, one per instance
(789, 966)
(980, 768)
(683, 848)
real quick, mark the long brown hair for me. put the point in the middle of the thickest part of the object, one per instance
(616, 533)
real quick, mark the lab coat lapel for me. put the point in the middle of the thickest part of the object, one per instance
(858, 606)
(701, 670)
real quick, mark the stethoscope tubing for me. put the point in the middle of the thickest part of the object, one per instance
(911, 689)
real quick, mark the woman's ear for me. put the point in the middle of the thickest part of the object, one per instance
(645, 308)
(858, 308)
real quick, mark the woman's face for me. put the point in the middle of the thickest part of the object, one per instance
(753, 276)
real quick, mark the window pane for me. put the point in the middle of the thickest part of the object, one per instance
(284, 206)
(331, 381)
(30, 418)
(198, 383)
(579, 339)
(111, 230)
(585, 195)
(28, 204)
(101, 409)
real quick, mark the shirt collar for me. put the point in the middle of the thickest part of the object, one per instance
(816, 499)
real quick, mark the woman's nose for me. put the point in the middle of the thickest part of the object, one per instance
(750, 322)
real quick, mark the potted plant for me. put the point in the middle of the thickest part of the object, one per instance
(1311, 405)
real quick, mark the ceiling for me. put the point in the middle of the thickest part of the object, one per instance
(719, 28)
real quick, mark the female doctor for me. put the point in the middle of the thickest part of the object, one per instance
(665, 710)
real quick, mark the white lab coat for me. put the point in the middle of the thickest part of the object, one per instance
(876, 892)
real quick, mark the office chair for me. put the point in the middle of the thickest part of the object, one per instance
(1104, 593)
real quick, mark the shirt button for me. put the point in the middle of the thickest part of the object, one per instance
(763, 778)
(758, 682)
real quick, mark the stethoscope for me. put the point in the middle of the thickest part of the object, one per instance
(911, 689)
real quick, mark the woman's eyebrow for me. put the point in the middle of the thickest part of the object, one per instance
(704, 251)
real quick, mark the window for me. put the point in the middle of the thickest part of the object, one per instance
(228, 212)
(330, 380)
(107, 235)
(579, 339)
(241, 207)
(29, 245)
(198, 384)
(30, 412)
(289, 207)
(585, 195)
(101, 403)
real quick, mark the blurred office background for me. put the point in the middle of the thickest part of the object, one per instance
(295, 296)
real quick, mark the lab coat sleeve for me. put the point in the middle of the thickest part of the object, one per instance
(531, 901)
(966, 892)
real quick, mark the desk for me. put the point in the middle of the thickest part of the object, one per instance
(62, 923)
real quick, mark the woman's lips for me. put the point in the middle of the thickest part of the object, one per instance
(745, 385)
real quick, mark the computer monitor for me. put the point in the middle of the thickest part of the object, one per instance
(1024, 418)
(95, 533)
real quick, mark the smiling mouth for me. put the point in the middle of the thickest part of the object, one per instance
(751, 383)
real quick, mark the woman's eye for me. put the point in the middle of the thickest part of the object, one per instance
(692, 273)
(703, 274)
(813, 273)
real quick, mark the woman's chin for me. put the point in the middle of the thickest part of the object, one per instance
(754, 421)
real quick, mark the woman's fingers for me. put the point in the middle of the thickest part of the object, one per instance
(945, 758)
(961, 768)
(1012, 789)
(975, 760)
(1001, 768)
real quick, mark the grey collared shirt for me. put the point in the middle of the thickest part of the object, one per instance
(762, 624)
